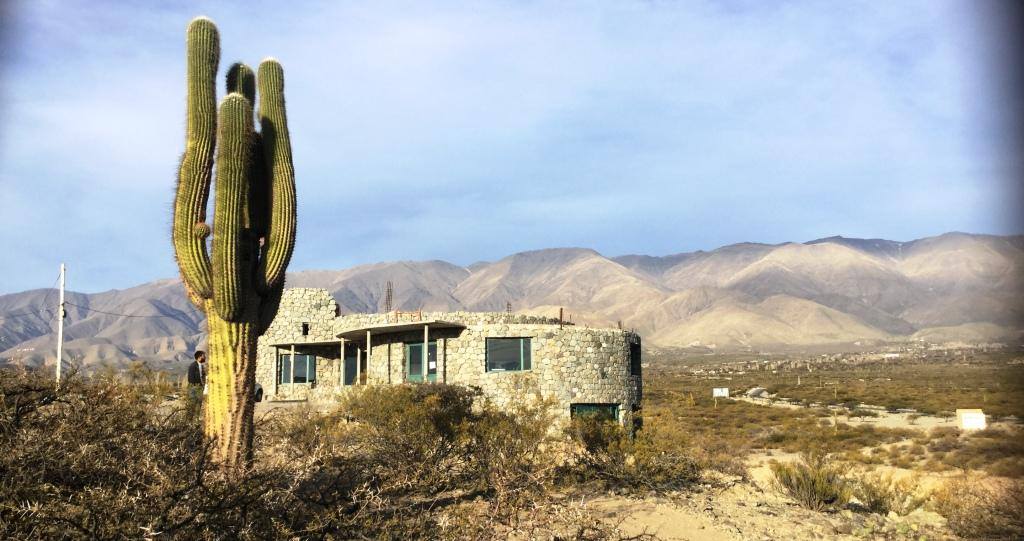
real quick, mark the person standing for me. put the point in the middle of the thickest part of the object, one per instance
(197, 382)
(197, 370)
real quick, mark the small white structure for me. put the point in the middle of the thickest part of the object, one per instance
(757, 392)
(971, 419)
(720, 392)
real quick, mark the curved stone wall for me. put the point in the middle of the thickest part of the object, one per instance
(570, 364)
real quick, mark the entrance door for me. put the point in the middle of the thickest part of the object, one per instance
(414, 361)
(354, 356)
(350, 366)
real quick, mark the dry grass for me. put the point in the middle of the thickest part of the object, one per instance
(103, 459)
(882, 493)
(983, 508)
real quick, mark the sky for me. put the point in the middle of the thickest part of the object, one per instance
(468, 131)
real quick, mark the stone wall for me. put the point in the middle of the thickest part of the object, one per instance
(570, 364)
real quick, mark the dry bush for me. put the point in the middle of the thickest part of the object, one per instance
(815, 482)
(100, 459)
(103, 459)
(652, 460)
(881, 493)
(983, 508)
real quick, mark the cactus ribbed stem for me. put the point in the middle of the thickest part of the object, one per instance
(203, 44)
(242, 80)
(232, 256)
(231, 381)
(277, 155)
(240, 289)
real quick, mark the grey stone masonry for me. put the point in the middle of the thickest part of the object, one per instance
(569, 364)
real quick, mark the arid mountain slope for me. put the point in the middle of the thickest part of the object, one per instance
(827, 291)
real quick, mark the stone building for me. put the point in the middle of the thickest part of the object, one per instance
(312, 353)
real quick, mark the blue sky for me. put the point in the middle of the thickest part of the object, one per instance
(469, 131)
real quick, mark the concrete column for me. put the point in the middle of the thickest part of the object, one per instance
(426, 349)
(369, 349)
(341, 364)
(291, 377)
(359, 365)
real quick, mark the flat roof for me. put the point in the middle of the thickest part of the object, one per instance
(309, 343)
(391, 328)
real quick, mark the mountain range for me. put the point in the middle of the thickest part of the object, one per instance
(833, 291)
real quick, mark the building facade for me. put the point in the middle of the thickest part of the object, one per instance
(312, 353)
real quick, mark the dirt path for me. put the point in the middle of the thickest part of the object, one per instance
(884, 419)
(660, 517)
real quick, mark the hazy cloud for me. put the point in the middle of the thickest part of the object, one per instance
(469, 132)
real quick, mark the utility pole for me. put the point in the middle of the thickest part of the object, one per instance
(60, 325)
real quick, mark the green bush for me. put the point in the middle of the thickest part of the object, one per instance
(815, 482)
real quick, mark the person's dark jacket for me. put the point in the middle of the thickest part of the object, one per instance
(196, 376)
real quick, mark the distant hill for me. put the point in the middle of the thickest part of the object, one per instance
(830, 291)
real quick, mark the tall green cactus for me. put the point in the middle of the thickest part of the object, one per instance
(253, 226)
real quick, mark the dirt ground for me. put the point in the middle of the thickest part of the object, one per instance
(732, 509)
(884, 418)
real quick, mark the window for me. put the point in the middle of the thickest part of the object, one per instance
(634, 358)
(604, 412)
(508, 354)
(414, 361)
(305, 368)
(305, 329)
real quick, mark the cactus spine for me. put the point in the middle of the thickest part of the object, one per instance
(240, 287)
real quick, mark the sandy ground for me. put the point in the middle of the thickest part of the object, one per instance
(730, 509)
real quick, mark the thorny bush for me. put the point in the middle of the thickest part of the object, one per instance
(100, 458)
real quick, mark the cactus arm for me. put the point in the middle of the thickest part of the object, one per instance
(189, 230)
(241, 79)
(232, 251)
(277, 156)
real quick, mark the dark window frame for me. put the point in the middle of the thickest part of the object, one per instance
(609, 411)
(525, 354)
(284, 366)
(635, 359)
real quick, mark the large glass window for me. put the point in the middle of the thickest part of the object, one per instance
(604, 412)
(305, 368)
(508, 354)
(414, 361)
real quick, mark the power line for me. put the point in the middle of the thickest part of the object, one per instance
(50, 291)
(46, 299)
(126, 315)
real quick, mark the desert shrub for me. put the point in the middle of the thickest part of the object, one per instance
(99, 459)
(414, 436)
(815, 482)
(881, 493)
(862, 413)
(983, 508)
(650, 461)
(102, 459)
